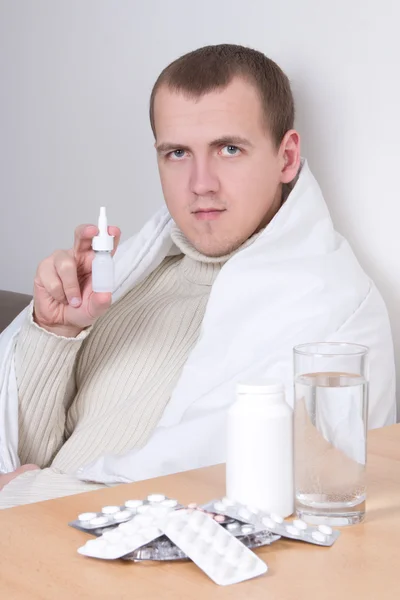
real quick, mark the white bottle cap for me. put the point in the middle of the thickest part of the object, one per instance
(103, 242)
(266, 386)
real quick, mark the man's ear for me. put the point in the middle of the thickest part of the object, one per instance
(290, 156)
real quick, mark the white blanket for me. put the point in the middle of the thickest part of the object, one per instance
(298, 282)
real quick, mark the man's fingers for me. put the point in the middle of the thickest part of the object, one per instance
(66, 269)
(116, 232)
(84, 235)
(48, 279)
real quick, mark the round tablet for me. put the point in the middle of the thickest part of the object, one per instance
(318, 536)
(219, 518)
(233, 526)
(292, 530)
(110, 510)
(300, 524)
(276, 518)
(122, 515)
(220, 506)
(99, 521)
(87, 516)
(133, 503)
(269, 523)
(325, 529)
(170, 503)
(156, 497)
(246, 529)
(227, 501)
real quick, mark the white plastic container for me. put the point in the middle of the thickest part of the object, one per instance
(259, 465)
(103, 264)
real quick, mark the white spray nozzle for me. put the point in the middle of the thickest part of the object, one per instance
(103, 242)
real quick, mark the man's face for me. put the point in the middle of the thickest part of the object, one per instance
(220, 172)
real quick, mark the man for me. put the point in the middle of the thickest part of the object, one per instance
(248, 266)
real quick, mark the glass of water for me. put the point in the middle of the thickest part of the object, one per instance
(330, 432)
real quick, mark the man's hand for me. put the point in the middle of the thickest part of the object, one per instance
(64, 302)
(4, 479)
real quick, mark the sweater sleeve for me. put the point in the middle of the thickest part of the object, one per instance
(40, 485)
(45, 372)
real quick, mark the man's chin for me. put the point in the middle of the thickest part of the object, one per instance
(215, 250)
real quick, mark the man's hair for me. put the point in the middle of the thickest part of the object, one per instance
(213, 67)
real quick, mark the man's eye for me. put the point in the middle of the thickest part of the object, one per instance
(230, 151)
(177, 154)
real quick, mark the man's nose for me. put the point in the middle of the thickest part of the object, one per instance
(203, 179)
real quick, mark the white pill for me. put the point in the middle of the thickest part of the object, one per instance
(122, 515)
(156, 498)
(318, 536)
(133, 503)
(269, 523)
(276, 518)
(170, 503)
(110, 510)
(87, 516)
(99, 521)
(219, 506)
(325, 529)
(246, 529)
(227, 501)
(233, 526)
(300, 524)
(292, 530)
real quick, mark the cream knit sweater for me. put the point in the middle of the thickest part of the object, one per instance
(105, 390)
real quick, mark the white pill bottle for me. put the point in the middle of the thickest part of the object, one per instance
(259, 460)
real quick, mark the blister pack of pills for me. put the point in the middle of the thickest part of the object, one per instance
(162, 549)
(141, 529)
(111, 516)
(296, 529)
(212, 547)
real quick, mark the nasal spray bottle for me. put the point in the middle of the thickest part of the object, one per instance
(103, 264)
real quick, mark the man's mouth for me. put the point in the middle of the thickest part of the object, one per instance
(208, 214)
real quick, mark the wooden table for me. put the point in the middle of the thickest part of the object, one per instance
(38, 557)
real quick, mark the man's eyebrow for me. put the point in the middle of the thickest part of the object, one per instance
(231, 140)
(169, 147)
(226, 140)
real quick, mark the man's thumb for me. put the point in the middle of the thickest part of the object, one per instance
(99, 303)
